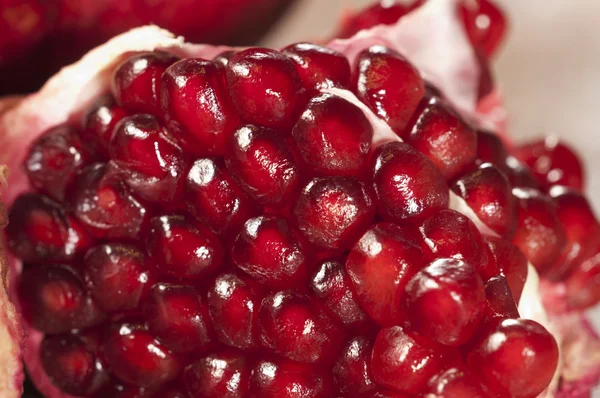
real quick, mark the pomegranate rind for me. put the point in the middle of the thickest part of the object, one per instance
(444, 57)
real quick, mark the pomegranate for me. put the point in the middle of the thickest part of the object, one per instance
(320, 221)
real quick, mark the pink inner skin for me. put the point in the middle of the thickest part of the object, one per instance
(444, 56)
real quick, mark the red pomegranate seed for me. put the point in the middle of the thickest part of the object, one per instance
(71, 363)
(518, 174)
(214, 199)
(272, 252)
(178, 317)
(233, 303)
(261, 162)
(448, 233)
(487, 191)
(136, 82)
(352, 370)
(507, 260)
(518, 357)
(223, 374)
(379, 266)
(491, 149)
(382, 13)
(539, 235)
(264, 87)
(197, 106)
(135, 357)
(456, 383)
(485, 24)
(333, 136)
(446, 286)
(117, 276)
(319, 67)
(332, 287)
(39, 230)
(500, 300)
(105, 205)
(151, 161)
(294, 327)
(404, 361)
(552, 163)
(99, 122)
(408, 186)
(332, 212)
(439, 133)
(289, 379)
(54, 159)
(182, 249)
(583, 285)
(53, 300)
(389, 84)
(581, 228)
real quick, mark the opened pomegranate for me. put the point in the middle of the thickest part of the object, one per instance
(320, 221)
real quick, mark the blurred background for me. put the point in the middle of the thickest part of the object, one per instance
(548, 68)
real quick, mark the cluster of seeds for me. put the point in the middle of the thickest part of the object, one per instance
(229, 228)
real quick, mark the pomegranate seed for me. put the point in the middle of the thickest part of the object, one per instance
(282, 378)
(39, 230)
(404, 361)
(53, 300)
(182, 249)
(135, 357)
(233, 303)
(261, 162)
(292, 326)
(151, 161)
(319, 67)
(552, 163)
(456, 383)
(105, 205)
(500, 300)
(407, 184)
(389, 84)
(379, 266)
(491, 149)
(100, 121)
(487, 191)
(214, 199)
(332, 212)
(178, 317)
(440, 134)
(54, 159)
(117, 276)
(197, 106)
(518, 174)
(446, 286)
(581, 229)
(333, 136)
(583, 285)
(505, 259)
(448, 233)
(518, 357)
(136, 82)
(539, 233)
(219, 375)
(332, 287)
(485, 24)
(264, 87)
(272, 252)
(352, 370)
(71, 363)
